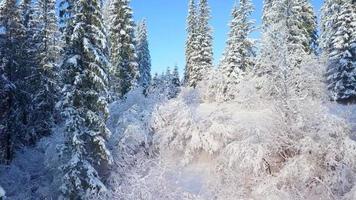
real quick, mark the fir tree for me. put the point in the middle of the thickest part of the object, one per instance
(204, 59)
(175, 82)
(239, 53)
(25, 11)
(125, 72)
(298, 20)
(143, 55)
(44, 78)
(15, 71)
(191, 49)
(329, 13)
(6, 103)
(84, 103)
(66, 9)
(175, 77)
(342, 57)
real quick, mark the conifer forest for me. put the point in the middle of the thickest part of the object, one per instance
(84, 117)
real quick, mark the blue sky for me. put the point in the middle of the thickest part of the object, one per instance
(167, 21)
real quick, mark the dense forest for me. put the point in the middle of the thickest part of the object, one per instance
(82, 117)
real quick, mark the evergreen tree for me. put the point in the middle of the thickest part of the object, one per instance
(239, 53)
(6, 103)
(66, 9)
(143, 55)
(175, 82)
(125, 72)
(342, 57)
(25, 11)
(204, 59)
(175, 77)
(329, 14)
(191, 49)
(44, 78)
(298, 20)
(15, 71)
(84, 103)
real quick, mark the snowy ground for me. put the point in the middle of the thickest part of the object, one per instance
(347, 112)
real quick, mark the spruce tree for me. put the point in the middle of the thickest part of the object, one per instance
(342, 57)
(191, 48)
(84, 105)
(298, 20)
(175, 77)
(239, 53)
(15, 71)
(143, 55)
(125, 72)
(175, 81)
(44, 78)
(329, 13)
(204, 59)
(66, 9)
(6, 104)
(25, 11)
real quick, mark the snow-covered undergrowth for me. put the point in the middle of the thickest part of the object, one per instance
(254, 155)
(34, 172)
(256, 147)
(199, 147)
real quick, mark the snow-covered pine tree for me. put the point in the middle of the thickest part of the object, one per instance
(310, 26)
(45, 76)
(143, 54)
(191, 46)
(25, 11)
(204, 59)
(239, 54)
(298, 19)
(329, 13)
(175, 77)
(175, 81)
(125, 72)
(15, 71)
(66, 9)
(342, 57)
(6, 103)
(84, 105)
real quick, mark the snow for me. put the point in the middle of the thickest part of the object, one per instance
(191, 148)
(2, 192)
(347, 112)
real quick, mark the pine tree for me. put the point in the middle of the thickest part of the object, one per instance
(66, 9)
(125, 72)
(175, 82)
(25, 11)
(143, 55)
(239, 53)
(204, 59)
(175, 77)
(44, 78)
(191, 49)
(298, 20)
(15, 71)
(84, 104)
(6, 103)
(342, 57)
(329, 13)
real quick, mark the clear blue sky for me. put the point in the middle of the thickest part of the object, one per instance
(167, 21)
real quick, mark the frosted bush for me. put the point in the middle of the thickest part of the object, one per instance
(266, 144)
